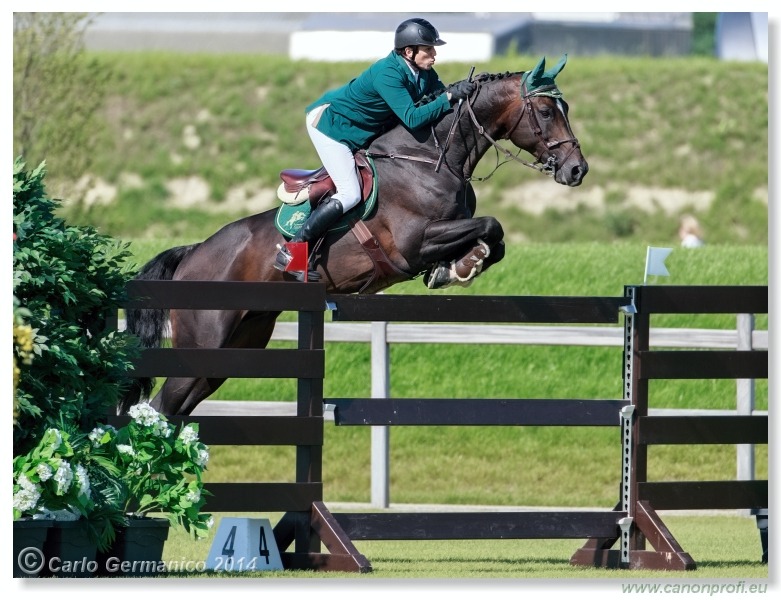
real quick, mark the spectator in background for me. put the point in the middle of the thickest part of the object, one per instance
(690, 232)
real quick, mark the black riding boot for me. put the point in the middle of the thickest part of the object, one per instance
(322, 217)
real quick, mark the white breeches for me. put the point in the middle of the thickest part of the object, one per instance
(338, 160)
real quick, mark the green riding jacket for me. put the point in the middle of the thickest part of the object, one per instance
(378, 99)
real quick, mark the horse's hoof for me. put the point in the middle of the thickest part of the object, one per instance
(438, 277)
(311, 276)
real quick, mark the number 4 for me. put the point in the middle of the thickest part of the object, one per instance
(263, 546)
(227, 549)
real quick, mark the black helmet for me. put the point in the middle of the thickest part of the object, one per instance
(417, 32)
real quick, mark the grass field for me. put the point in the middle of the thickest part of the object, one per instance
(676, 138)
(492, 465)
(724, 546)
(464, 459)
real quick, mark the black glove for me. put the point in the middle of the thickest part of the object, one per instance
(461, 90)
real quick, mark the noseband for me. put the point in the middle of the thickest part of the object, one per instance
(548, 167)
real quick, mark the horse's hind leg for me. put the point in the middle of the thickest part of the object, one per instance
(461, 250)
(180, 395)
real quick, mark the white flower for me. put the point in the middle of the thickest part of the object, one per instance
(63, 477)
(56, 438)
(162, 429)
(83, 478)
(188, 435)
(44, 472)
(96, 435)
(25, 483)
(144, 414)
(210, 523)
(27, 496)
(193, 496)
(126, 449)
(202, 458)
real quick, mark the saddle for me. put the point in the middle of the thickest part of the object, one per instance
(300, 185)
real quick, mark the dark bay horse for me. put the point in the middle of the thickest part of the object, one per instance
(423, 222)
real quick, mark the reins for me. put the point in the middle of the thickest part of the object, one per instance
(548, 167)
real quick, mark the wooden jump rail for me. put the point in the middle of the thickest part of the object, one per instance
(469, 412)
(641, 498)
(634, 520)
(306, 522)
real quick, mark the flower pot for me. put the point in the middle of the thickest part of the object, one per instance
(29, 538)
(137, 550)
(70, 551)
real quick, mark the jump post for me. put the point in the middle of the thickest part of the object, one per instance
(307, 523)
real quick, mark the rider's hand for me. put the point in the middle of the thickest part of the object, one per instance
(461, 90)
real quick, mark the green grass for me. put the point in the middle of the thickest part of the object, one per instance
(660, 125)
(511, 466)
(724, 546)
(464, 459)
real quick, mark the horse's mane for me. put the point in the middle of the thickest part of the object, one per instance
(480, 78)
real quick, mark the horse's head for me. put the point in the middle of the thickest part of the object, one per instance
(534, 116)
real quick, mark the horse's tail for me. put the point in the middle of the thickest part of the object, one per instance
(148, 324)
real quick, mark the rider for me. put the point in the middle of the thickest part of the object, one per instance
(347, 119)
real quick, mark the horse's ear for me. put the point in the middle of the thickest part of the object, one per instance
(534, 76)
(551, 73)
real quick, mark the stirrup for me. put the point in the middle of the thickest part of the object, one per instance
(283, 259)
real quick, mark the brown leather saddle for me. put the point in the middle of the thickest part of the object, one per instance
(314, 185)
(300, 185)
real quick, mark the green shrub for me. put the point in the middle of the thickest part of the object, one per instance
(66, 278)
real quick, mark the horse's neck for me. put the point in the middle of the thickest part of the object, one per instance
(466, 146)
(469, 142)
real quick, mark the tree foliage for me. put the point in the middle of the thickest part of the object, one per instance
(704, 33)
(66, 278)
(58, 91)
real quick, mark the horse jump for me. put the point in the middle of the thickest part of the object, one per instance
(423, 223)
(632, 523)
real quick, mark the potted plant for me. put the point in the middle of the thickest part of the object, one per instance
(161, 469)
(73, 497)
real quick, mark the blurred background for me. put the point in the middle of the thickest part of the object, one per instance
(470, 36)
(175, 123)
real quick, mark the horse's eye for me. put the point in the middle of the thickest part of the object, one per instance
(546, 113)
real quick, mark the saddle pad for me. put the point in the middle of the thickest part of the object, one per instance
(289, 219)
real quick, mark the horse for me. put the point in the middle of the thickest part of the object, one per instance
(423, 223)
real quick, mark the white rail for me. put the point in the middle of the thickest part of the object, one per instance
(529, 335)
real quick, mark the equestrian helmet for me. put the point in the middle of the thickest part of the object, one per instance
(417, 32)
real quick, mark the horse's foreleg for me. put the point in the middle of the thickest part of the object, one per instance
(461, 250)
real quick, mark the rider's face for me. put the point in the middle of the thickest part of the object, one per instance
(424, 58)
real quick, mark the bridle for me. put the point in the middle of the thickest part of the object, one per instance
(550, 165)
